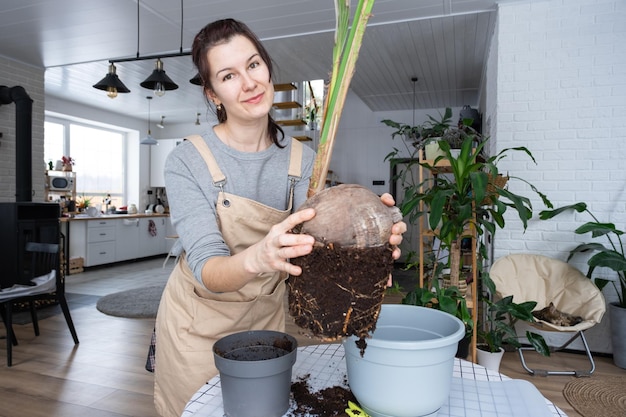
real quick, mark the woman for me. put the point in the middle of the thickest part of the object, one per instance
(231, 194)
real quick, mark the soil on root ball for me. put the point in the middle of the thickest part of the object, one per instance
(340, 290)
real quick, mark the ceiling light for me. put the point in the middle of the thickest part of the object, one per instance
(149, 140)
(196, 80)
(159, 81)
(160, 125)
(111, 83)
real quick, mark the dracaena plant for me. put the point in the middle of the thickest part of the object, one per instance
(607, 254)
(467, 197)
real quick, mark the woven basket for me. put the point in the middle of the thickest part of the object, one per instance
(493, 182)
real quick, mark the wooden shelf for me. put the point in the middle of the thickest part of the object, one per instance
(285, 87)
(287, 105)
(303, 138)
(294, 122)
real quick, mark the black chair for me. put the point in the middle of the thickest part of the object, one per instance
(47, 283)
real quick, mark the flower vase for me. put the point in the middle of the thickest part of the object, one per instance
(67, 167)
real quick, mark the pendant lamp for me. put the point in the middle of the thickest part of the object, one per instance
(111, 83)
(159, 81)
(149, 140)
(196, 80)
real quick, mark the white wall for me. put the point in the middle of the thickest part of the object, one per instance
(560, 90)
(12, 74)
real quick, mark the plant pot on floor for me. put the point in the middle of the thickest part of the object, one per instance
(406, 367)
(490, 360)
(617, 315)
(255, 372)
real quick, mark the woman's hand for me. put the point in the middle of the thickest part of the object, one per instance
(273, 252)
(396, 230)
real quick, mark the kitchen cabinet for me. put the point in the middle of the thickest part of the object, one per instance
(152, 232)
(100, 248)
(114, 239)
(127, 239)
(158, 155)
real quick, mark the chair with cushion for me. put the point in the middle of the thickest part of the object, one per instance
(46, 283)
(530, 277)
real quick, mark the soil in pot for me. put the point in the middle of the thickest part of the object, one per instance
(255, 372)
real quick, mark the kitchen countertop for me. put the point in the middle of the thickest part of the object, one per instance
(79, 217)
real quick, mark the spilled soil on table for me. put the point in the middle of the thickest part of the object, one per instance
(329, 402)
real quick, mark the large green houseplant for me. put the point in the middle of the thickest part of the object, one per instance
(606, 254)
(467, 197)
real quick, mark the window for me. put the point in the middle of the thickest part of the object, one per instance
(99, 156)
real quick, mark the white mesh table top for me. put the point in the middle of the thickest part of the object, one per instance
(475, 391)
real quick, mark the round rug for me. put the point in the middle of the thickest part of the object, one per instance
(597, 396)
(136, 303)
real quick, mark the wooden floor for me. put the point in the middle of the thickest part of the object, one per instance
(104, 375)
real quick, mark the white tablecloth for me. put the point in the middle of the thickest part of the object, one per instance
(473, 393)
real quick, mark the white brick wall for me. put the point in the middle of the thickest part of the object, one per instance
(560, 67)
(13, 74)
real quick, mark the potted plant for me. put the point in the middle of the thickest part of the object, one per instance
(422, 135)
(67, 161)
(467, 198)
(498, 328)
(609, 255)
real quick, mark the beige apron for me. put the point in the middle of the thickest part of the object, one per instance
(195, 318)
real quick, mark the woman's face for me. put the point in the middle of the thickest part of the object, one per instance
(240, 80)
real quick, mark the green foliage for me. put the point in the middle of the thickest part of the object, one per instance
(465, 198)
(499, 328)
(448, 299)
(609, 255)
(421, 134)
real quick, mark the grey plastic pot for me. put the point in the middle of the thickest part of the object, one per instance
(255, 372)
(406, 369)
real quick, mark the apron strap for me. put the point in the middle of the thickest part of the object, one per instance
(295, 159)
(219, 179)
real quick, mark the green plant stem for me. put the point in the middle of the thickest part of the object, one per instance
(345, 55)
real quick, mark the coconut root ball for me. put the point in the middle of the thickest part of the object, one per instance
(344, 278)
(350, 215)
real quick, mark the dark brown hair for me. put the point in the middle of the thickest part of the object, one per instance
(219, 32)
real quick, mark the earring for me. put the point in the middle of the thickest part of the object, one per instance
(219, 107)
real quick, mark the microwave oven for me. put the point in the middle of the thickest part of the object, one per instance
(61, 184)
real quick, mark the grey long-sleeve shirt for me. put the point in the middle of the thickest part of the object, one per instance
(260, 176)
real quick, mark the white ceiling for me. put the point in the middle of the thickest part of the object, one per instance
(442, 42)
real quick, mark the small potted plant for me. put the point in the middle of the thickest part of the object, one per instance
(498, 329)
(67, 161)
(426, 135)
